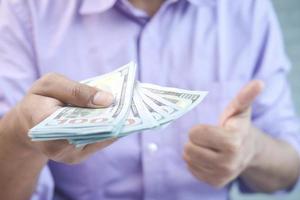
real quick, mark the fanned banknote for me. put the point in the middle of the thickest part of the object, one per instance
(105, 120)
(137, 107)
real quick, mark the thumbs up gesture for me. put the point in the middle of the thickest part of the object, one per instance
(218, 154)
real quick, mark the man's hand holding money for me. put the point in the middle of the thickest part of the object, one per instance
(47, 95)
(218, 154)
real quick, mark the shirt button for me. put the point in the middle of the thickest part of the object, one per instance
(152, 147)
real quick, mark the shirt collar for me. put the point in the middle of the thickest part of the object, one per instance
(96, 6)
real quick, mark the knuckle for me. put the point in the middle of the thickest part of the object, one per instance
(233, 146)
(228, 169)
(195, 133)
(48, 78)
(219, 184)
(217, 181)
(234, 124)
(187, 159)
(77, 91)
(45, 81)
(82, 93)
(214, 182)
(188, 148)
(203, 129)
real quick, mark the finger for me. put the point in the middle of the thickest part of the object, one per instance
(53, 149)
(200, 171)
(209, 137)
(242, 102)
(200, 155)
(206, 175)
(73, 155)
(211, 176)
(92, 148)
(71, 92)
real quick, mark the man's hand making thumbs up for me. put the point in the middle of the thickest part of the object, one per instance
(219, 154)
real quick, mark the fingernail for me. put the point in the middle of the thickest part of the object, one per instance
(103, 98)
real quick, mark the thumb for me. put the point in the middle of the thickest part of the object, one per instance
(242, 102)
(71, 92)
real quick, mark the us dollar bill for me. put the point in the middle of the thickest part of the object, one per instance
(67, 119)
(137, 107)
(182, 100)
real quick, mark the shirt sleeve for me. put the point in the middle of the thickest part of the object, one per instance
(18, 70)
(45, 186)
(17, 62)
(273, 111)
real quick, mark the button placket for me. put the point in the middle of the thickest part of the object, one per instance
(152, 147)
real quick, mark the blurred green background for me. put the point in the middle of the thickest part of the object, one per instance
(288, 12)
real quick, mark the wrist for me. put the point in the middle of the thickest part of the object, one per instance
(20, 163)
(14, 140)
(259, 147)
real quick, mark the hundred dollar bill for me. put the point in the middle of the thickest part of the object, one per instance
(76, 120)
(137, 107)
(138, 119)
(156, 112)
(143, 115)
(182, 100)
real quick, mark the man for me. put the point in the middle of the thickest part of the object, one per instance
(218, 46)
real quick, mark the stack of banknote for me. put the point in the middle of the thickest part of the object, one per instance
(137, 107)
